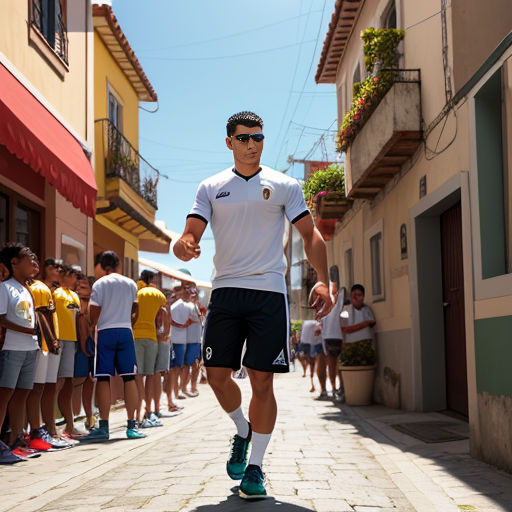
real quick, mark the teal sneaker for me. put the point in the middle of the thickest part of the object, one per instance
(237, 462)
(98, 435)
(253, 484)
(133, 433)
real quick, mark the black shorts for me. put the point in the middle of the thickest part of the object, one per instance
(255, 317)
(333, 346)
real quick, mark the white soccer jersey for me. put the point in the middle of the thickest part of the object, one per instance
(247, 217)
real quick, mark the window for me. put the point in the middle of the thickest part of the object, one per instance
(72, 252)
(4, 219)
(492, 118)
(349, 269)
(48, 16)
(126, 269)
(115, 109)
(357, 75)
(374, 239)
(375, 249)
(389, 16)
(27, 227)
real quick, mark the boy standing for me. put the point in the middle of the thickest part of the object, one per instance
(357, 319)
(113, 309)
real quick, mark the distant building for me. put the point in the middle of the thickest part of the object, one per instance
(429, 232)
(127, 183)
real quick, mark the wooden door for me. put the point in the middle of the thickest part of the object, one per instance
(454, 318)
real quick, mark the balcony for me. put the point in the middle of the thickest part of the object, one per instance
(123, 162)
(389, 136)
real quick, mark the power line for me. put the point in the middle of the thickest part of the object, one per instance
(228, 36)
(221, 57)
(309, 71)
(278, 138)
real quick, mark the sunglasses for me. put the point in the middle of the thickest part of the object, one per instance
(244, 137)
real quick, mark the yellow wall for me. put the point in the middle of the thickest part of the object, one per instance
(106, 71)
(67, 95)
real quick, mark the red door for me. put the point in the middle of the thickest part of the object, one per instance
(454, 318)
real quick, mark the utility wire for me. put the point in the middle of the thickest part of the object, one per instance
(229, 36)
(221, 57)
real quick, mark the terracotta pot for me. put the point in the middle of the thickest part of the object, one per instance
(358, 384)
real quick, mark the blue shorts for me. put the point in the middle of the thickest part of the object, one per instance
(178, 355)
(115, 352)
(193, 353)
(304, 348)
(317, 349)
(84, 365)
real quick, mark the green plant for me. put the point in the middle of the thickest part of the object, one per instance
(296, 326)
(331, 179)
(359, 353)
(381, 56)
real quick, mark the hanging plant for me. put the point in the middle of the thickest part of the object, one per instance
(331, 179)
(381, 58)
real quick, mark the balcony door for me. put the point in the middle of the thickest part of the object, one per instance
(115, 109)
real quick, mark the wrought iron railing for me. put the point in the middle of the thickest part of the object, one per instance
(123, 161)
(48, 19)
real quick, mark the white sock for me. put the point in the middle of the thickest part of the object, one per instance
(240, 421)
(259, 445)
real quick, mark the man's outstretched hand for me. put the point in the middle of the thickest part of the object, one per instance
(186, 250)
(320, 300)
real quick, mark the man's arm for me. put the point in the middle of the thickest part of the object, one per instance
(135, 312)
(47, 328)
(316, 253)
(94, 315)
(7, 324)
(187, 247)
(349, 329)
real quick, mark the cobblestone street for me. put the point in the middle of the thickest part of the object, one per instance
(322, 458)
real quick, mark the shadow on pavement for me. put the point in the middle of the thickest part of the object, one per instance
(453, 457)
(235, 504)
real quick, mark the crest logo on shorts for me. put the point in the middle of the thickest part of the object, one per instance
(267, 193)
(280, 359)
(208, 353)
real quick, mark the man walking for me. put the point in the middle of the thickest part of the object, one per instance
(150, 300)
(247, 205)
(193, 350)
(113, 309)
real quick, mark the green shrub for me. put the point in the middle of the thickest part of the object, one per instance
(331, 179)
(359, 353)
(296, 325)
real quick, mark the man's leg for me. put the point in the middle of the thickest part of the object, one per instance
(131, 396)
(139, 381)
(34, 406)
(103, 397)
(87, 393)
(311, 361)
(262, 413)
(17, 409)
(48, 407)
(148, 392)
(332, 367)
(194, 376)
(321, 366)
(226, 390)
(157, 390)
(5, 397)
(64, 401)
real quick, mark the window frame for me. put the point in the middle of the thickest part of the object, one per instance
(58, 60)
(120, 106)
(377, 229)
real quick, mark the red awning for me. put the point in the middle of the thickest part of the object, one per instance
(36, 137)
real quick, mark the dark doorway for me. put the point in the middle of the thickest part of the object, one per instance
(453, 305)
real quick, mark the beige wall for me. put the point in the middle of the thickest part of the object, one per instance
(477, 29)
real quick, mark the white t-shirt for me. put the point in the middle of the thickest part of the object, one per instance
(17, 305)
(331, 326)
(195, 330)
(115, 294)
(247, 217)
(307, 333)
(180, 313)
(352, 316)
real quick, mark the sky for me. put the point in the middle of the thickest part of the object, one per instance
(208, 59)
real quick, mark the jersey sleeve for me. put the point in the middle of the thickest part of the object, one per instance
(4, 299)
(202, 207)
(96, 295)
(295, 207)
(134, 291)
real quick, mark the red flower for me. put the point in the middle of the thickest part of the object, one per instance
(376, 79)
(356, 116)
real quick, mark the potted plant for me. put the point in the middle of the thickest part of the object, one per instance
(358, 363)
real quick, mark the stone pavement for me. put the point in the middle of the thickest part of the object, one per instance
(322, 458)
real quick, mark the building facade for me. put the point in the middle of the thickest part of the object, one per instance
(428, 232)
(47, 185)
(127, 183)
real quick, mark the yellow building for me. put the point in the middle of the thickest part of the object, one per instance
(127, 183)
(47, 185)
